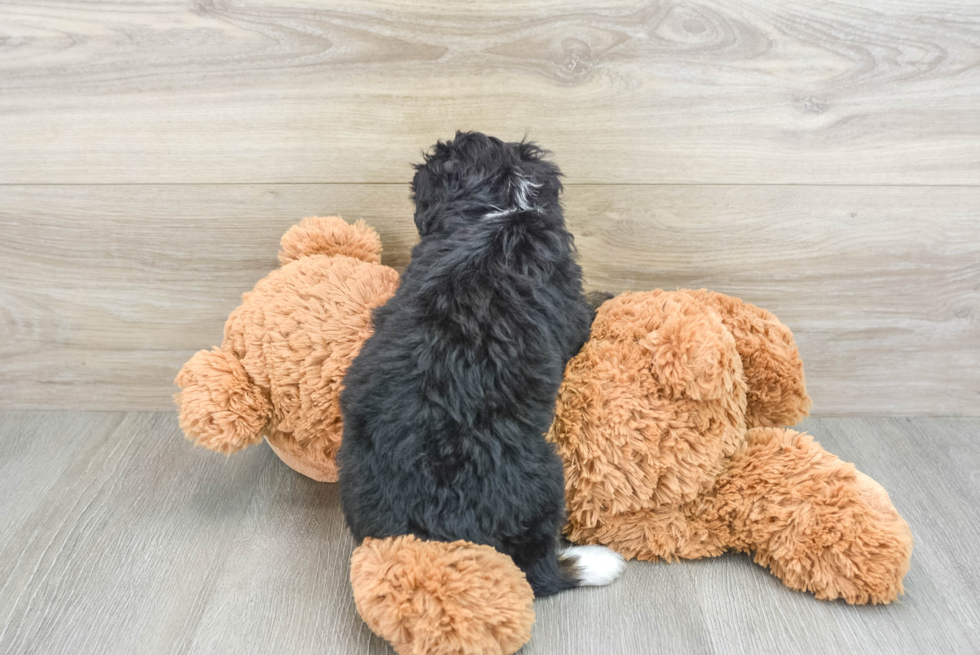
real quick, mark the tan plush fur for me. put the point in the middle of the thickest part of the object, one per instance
(280, 368)
(669, 422)
(436, 598)
(666, 425)
(776, 391)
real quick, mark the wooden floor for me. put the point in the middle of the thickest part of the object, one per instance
(120, 537)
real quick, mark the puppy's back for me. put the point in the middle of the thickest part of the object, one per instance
(447, 404)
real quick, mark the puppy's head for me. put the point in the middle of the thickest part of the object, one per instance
(477, 177)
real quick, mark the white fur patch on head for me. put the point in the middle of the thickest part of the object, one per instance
(597, 565)
(497, 213)
(524, 192)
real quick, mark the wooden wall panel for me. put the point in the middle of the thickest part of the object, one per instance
(106, 290)
(748, 91)
(817, 158)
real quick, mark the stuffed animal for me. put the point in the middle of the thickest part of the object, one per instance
(280, 367)
(669, 422)
(670, 425)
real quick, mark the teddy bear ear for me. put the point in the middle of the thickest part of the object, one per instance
(693, 355)
(330, 236)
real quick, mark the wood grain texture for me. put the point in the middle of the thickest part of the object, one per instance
(121, 537)
(107, 290)
(145, 544)
(747, 91)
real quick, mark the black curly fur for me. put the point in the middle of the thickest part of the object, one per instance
(446, 406)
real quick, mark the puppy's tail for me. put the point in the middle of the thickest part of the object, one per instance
(591, 566)
(588, 566)
(577, 566)
(441, 598)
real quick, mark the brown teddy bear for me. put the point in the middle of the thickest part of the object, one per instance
(669, 424)
(281, 365)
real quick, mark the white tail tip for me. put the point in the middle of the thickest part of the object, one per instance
(597, 565)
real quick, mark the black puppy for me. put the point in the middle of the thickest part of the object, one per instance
(446, 406)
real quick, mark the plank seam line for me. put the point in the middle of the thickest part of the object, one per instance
(566, 185)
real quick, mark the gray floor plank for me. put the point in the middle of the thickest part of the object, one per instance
(121, 537)
(284, 584)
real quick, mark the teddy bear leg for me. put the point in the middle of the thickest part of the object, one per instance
(817, 522)
(438, 598)
(651, 535)
(218, 405)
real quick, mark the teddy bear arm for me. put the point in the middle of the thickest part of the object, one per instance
(693, 355)
(219, 406)
(776, 394)
(817, 523)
